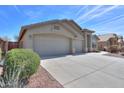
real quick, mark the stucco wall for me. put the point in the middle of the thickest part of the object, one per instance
(94, 43)
(65, 30)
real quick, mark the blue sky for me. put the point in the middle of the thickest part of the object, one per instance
(102, 19)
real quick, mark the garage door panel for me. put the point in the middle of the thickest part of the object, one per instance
(50, 45)
(78, 46)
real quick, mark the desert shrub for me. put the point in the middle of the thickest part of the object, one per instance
(11, 79)
(96, 51)
(122, 49)
(3, 53)
(22, 58)
(113, 49)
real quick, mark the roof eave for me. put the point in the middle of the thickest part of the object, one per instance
(87, 30)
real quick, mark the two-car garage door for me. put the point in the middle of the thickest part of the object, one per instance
(50, 45)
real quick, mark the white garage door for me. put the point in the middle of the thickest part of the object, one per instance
(78, 46)
(50, 45)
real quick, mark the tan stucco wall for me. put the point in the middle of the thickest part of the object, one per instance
(65, 30)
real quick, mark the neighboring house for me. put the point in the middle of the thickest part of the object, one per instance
(120, 42)
(95, 40)
(56, 37)
(107, 40)
(7, 45)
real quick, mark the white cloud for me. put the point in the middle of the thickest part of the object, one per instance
(98, 12)
(114, 23)
(81, 9)
(109, 20)
(17, 9)
(105, 11)
(29, 13)
(88, 13)
(113, 26)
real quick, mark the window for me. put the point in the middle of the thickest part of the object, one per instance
(56, 27)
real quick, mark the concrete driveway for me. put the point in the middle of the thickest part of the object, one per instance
(86, 70)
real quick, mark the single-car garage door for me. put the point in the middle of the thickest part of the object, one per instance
(78, 46)
(50, 45)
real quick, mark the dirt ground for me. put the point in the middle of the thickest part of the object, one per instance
(42, 79)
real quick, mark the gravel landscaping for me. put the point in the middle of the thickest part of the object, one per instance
(42, 79)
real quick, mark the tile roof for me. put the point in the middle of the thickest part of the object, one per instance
(106, 37)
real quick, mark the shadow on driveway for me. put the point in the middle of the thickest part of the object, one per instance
(50, 57)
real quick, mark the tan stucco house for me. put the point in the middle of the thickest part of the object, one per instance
(56, 37)
(120, 42)
(95, 40)
(108, 40)
(6, 45)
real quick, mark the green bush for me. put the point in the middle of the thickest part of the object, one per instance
(22, 58)
(96, 51)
